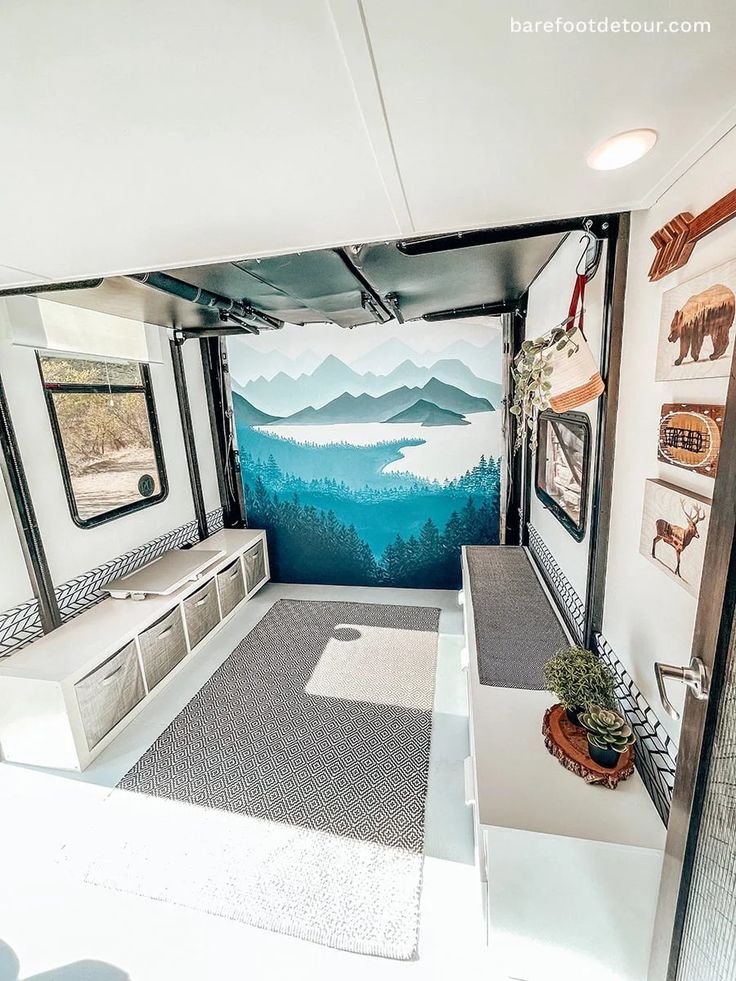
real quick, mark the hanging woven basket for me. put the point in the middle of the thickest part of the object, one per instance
(575, 376)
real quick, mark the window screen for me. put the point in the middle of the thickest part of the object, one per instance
(104, 423)
(563, 460)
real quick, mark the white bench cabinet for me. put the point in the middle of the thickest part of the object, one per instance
(569, 872)
(66, 696)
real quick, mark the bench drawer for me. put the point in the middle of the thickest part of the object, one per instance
(201, 612)
(231, 586)
(107, 694)
(255, 567)
(162, 647)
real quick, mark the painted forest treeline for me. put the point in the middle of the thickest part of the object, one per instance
(309, 544)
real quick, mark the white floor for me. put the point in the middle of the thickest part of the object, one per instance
(53, 928)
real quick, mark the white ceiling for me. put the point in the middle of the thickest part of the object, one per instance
(139, 135)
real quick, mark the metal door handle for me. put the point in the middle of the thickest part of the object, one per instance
(695, 677)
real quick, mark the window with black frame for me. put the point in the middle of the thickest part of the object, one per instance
(104, 423)
(563, 460)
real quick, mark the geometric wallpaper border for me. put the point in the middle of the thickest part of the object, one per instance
(22, 624)
(656, 752)
(557, 580)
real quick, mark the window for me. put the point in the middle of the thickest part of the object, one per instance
(104, 423)
(563, 460)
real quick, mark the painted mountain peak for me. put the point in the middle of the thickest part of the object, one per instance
(284, 396)
(248, 413)
(429, 414)
(348, 408)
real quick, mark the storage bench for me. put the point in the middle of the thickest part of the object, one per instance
(66, 696)
(569, 872)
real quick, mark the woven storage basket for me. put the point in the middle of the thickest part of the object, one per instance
(575, 379)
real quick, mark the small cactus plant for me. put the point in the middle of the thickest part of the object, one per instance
(609, 734)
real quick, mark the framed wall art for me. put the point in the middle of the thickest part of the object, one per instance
(674, 530)
(696, 326)
(690, 436)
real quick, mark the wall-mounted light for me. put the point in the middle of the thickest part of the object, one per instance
(622, 149)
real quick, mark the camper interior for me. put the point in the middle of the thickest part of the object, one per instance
(367, 524)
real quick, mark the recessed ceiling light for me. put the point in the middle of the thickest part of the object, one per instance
(622, 149)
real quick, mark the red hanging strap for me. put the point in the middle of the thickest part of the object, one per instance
(578, 300)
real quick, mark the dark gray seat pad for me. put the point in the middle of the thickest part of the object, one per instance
(516, 628)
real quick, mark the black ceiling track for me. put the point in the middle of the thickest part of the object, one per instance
(479, 310)
(240, 313)
(505, 233)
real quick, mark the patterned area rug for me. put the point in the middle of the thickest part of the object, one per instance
(289, 793)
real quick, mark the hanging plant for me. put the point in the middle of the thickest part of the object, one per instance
(555, 370)
(532, 372)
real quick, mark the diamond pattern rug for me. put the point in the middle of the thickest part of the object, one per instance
(289, 793)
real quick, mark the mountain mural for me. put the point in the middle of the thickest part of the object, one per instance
(347, 408)
(429, 414)
(282, 395)
(249, 414)
(370, 459)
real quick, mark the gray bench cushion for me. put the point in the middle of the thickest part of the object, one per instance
(516, 628)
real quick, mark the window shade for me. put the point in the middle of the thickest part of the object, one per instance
(50, 326)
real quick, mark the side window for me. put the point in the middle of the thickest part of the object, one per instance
(563, 465)
(104, 423)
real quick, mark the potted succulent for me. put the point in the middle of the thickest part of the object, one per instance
(579, 679)
(609, 734)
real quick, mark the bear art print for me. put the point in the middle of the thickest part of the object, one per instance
(696, 337)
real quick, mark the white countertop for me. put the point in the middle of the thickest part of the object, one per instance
(521, 785)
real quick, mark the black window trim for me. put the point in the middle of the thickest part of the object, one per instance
(577, 531)
(146, 388)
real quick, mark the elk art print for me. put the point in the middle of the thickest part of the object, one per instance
(696, 328)
(674, 530)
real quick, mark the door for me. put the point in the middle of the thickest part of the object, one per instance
(695, 929)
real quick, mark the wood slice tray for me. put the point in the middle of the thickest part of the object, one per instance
(568, 743)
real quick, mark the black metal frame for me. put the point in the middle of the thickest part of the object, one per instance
(190, 445)
(222, 424)
(146, 389)
(614, 295)
(615, 230)
(573, 420)
(26, 524)
(515, 517)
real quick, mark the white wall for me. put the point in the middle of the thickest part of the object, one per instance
(648, 617)
(72, 550)
(549, 301)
